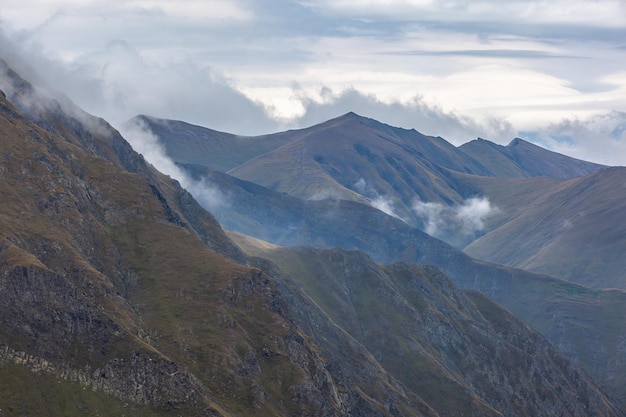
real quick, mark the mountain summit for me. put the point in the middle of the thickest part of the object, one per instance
(522, 159)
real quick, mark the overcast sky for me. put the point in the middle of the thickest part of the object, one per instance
(551, 71)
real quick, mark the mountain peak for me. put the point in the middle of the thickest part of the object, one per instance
(351, 116)
(521, 142)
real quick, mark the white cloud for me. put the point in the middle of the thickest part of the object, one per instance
(599, 12)
(385, 205)
(145, 143)
(214, 9)
(599, 138)
(457, 225)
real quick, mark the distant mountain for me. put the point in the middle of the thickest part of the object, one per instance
(350, 157)
(191, 144)
(355, 158)
(522, 159)
(120, 295)
(573, 229)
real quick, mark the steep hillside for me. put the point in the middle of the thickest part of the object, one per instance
(571, 229)
(431, 336)
(112, 300)
(544, 303)
(521, 159)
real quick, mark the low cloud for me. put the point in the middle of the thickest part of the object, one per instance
(457, 225)
(385, 205)
(379, 202)
(147, 144)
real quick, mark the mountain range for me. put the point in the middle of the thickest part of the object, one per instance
(121, 295)
(577, 318)
(482, 197)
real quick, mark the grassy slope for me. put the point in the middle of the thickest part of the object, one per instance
(418, 326)
(111, 225)
(120, 245)
(570, 229)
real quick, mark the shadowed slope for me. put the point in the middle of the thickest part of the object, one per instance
(541, 301)
(457, 352)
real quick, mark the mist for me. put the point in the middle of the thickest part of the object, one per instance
(458, 224)
(144, 142)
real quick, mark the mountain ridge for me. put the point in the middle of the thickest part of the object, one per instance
(523, 159)
(360, 159)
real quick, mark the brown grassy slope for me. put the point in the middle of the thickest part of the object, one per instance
(57, 229)
(107, 284)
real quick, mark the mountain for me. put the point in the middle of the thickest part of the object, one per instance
(120, 295)
(350, 157)
(561, 311)
(571, 229)
(522, 159)
(437, 340)
(360, 159)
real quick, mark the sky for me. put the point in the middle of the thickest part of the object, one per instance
(552, 72)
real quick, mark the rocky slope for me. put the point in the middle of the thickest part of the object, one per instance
(443, 343)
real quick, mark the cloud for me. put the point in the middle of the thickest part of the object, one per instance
(379, 202)
(596, 13)
(385, 205)
(598, 138)
(145, 143)
(457, 225)
(455, 69)
(416, 113)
